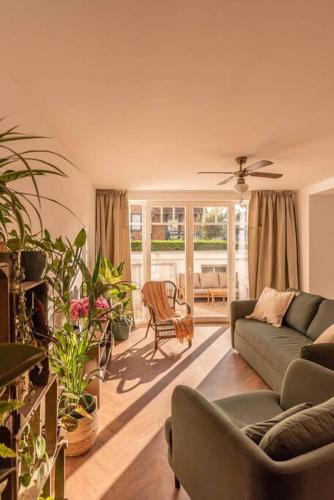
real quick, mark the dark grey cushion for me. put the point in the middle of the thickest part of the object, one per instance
(302, 310)
(323, 319)
(323, 354)
(279, 346)
(305, 431)
(256, 431)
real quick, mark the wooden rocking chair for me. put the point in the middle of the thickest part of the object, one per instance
(165, 329)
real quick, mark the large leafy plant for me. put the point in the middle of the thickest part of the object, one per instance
(15, 165)
(68, 357)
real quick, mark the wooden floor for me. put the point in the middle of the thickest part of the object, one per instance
(129, 460)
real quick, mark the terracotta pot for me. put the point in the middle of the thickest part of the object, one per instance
(83, 438)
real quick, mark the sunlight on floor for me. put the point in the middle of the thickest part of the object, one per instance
(129, 458)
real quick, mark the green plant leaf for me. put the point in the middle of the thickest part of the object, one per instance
(6, 452)
(25, 479)
(81, 238)
(70, 423)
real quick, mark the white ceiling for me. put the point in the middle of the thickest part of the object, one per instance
(143, 94)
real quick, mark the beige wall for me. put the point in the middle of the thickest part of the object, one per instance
(321, 273)
(77, 192)
(316, 237)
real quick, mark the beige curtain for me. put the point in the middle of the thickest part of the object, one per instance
(112, 227)
(272, 241)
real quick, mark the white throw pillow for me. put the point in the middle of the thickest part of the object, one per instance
(326, 337)
(209, 280)
(272, 306)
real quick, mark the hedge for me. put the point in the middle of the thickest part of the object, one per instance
(178, 245)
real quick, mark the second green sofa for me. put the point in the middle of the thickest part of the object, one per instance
(270, 350)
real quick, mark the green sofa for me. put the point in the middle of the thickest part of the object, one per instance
(270, 350)
(214, 460)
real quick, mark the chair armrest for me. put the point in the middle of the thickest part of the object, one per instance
(323, 354)
(209, 451)
(306, 381)
(184, 304)
(240, 309)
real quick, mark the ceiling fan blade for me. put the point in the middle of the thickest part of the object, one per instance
(225, 181)
(265, 174)
(258, 164)
(226, 173)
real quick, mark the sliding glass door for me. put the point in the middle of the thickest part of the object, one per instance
(201, 247)
(210, 269)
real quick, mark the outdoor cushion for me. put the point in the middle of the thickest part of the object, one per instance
(302, 310)
(303, 432)
(222, 279)
(209, 280)
(201, 291)
(197, 281)
(245, 409)
(279, 346)
(323, 319)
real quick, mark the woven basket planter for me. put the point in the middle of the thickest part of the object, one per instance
(83, 438)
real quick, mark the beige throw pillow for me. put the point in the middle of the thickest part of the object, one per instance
(326, 337)
(272, 306)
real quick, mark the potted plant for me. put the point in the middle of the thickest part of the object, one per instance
(77, 409)
(120, 295)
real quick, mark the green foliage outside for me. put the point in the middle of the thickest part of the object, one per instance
(179, 245)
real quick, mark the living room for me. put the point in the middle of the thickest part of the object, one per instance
(166, 280)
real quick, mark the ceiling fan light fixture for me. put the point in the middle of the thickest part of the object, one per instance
(241, 188)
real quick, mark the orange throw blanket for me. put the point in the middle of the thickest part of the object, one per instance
(155, 296)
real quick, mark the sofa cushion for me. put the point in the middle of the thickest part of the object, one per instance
(326, 337)
(279, 346)
(256, 431)
(322, 320)
(303, 432)
(245, 409)
(209, 280)
(302, 310)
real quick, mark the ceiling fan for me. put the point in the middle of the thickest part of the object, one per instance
(243, 172)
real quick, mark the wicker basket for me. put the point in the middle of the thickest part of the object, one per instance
(82, 439)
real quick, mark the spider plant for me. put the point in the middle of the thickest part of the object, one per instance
(15, 165)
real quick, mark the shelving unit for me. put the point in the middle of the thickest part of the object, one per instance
(40, 408)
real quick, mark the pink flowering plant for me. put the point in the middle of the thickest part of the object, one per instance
(81, 309)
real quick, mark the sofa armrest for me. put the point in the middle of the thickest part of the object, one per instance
(209, 451)
(323, 354)
(306, 381)
(240, 309)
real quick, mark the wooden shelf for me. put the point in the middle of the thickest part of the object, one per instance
(28, 285)
(32, 401)
(4, 473)
(31, 492)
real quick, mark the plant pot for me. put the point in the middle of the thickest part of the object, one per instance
(33, 264)
(83, 437)
(39, 374)
(121, 329)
